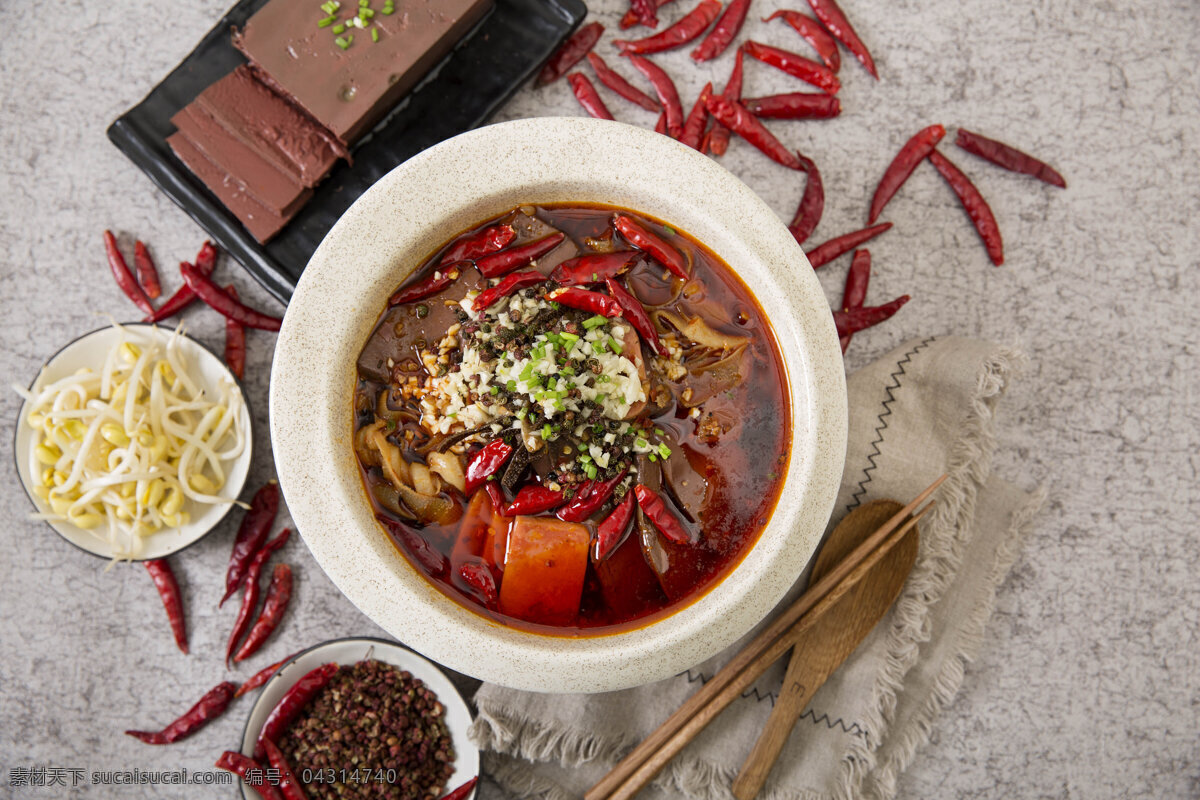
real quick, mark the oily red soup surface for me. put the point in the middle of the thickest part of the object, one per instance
(718, 432)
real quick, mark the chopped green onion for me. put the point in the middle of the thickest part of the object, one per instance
(595, 278)
(339, 29)
(591, 471)
(386, 10)
(613, 345)
(330, 6)
(364, 3)
(640, 442)
(325, 23)
(568, 370)
(653, 458)
(669, 229)
(600, 398)
(594, 321)
(495, 389)
(569, 338)
(584, 458)
(558, 404)
(365, 14)
(664, 451)
(659, 432)
(374, 34)
(343, 43)
(546, 432)
(521, 414)
(511, 386)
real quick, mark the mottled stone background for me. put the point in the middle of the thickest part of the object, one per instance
(1089, 683)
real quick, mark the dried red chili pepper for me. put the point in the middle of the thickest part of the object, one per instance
(831, 17)
(485, 463)
(488, 240)
(292, 703)
(434, 562)
(279, 594)
(1008, 157)
(646, 12)
(613, 80)
(649, 242)
(859, 319)
(289, 784)
(441, 277)
(974, 204)
(215, 298)
(168, 590)
(210, 706)
(718, 141)
(693, 127)
(251, 590)
(585, 300)
(825, 252)
(855, 293)
(661, 125)
(496, 496)
(256, 524)
(512, 282)
(795, 65)
(812, 204)
(794, 105)
(589, 497)
(477, 575)
(633, 311)
(667, 523)
(206, 260)
(147, 273)
(593, 267)
(570, 53)
(631, 16)
(235, 340)
(724, 32)
(685, 30)
(241, 765)
(611, 530)
(462, 791)
(668, 95)
(498, 263)
(122, 275)
(533, 499)
(587, 96)
(262, 676)
(734, 116)
(814, 34)
(911, 154)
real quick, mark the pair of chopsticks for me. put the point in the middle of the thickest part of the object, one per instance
(645, 761)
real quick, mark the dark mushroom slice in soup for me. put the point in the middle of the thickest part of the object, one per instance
(502, 425)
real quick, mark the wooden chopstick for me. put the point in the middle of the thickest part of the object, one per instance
(645, 760)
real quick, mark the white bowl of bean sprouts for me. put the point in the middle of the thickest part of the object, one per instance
(136, 477)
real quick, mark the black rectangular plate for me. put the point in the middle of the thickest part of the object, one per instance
(463, 92)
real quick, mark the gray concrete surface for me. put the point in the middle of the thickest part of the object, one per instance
(1089, 684)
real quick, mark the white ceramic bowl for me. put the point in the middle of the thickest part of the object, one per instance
(90, 351)
(346, 652)
(388, 232)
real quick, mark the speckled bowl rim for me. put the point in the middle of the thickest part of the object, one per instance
(390, 230)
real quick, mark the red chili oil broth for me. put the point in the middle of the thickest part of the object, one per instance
(742, 472)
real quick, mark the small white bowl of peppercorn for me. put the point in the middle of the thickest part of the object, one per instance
(368, 715)
(574, 481)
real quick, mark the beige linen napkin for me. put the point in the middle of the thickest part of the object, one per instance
(926, 408)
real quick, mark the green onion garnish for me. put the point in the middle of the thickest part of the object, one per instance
(325, 23)
(669, 229)
(546, 432)
(365, 14)
(594, 321)
(330, 6)
(569, 338)
(613, 345)
(374, 34)
(591, 471)
(640, 442)
(511, 386)
(339, 29)
(495, 389)
(664, 451)
(343, 42)
(568, 370)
